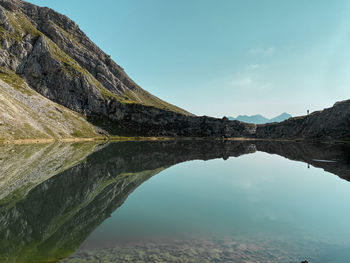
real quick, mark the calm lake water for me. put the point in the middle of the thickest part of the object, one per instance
(161, 202)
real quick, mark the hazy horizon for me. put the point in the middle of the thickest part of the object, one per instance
(225, 58)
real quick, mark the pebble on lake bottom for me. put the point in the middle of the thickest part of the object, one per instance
(191, 251)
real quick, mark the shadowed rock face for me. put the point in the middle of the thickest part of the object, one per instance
(329, 124)
(57, 215)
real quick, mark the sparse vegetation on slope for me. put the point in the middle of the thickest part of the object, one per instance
(18, 30)
(25, 114)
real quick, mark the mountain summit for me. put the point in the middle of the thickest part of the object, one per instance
(282, 117)
(59, 61)
(55, 84)
(48, 62)
(259, 119)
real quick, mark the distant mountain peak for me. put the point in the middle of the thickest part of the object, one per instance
(260, 119)
(284, 114)
(282, 117)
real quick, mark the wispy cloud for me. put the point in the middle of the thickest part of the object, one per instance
(254, 67)
(269, 51)
(249, 79)
(265, 51)
(265, 86)
(242, 82)
(250, 82)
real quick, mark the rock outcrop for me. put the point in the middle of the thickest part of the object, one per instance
(50, 54)
(329, 124)
(25, 114)
(56, 59)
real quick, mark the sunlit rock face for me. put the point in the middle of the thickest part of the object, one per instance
(52, 56)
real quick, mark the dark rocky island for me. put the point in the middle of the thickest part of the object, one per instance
(57, 84)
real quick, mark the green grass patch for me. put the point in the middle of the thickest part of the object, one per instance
(21, 25)
(78, 134)
(14, 81)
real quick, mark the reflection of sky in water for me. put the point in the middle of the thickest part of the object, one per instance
(253, 195)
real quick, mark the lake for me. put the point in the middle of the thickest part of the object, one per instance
(175, 201)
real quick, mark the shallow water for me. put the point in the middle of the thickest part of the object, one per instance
(271, 208)
(160, 202)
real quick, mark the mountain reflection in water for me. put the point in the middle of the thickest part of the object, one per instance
(54, 196)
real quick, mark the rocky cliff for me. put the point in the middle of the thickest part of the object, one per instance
(25, 114)
(56, 83)
(328, 124)
(50, 54)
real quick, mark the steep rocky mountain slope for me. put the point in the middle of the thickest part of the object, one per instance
(25, 114)
(56, 59)
(56, 83)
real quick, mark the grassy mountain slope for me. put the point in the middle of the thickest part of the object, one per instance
(71, 57)
(25, 114)
(56, 59)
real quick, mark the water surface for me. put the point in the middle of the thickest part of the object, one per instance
(161, 202)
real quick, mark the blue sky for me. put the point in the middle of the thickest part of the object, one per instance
(225, 57)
